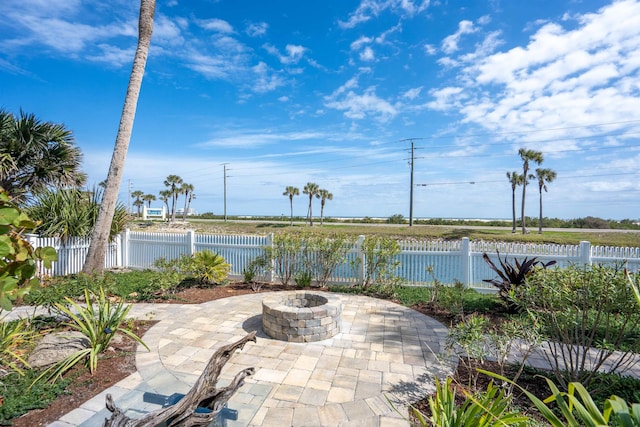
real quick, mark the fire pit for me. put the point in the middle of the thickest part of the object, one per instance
(301, 316)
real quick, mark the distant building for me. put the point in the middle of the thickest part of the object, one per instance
(190, 212)
(154, 213)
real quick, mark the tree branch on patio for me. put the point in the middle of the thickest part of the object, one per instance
(204, 394)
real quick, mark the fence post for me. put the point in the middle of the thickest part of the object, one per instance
(272, 261)
(124, 241)
(360, 256)
(465, 255)
(585, 252)
(191, 241)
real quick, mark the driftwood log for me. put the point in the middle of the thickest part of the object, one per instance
(203, 394)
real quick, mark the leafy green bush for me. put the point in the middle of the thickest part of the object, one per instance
(20, 394)
(284, 253)
(396, 219)
(380, 260)
(205, 267)
(303, 279)
(18, 260)
(586, 314)
(257, 268)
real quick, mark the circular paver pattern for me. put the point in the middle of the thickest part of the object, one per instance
(384, 351)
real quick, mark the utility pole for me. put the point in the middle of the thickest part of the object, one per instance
(411, 162)
(224, 171)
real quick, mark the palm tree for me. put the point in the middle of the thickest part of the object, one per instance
(291, 191)
(94, 262)
(138, 201)
(165, 195)
(544, 177)
(187, 190)
(527, 156)
(323, 195)
(515, 179)
(173, 183)
(311, 189)
(36, 155)
(149, 198)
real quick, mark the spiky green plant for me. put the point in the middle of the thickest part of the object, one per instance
(99, 321)
(13, 336)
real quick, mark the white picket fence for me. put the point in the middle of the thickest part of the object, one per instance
(420, 260)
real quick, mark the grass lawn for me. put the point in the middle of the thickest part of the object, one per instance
(573, 237)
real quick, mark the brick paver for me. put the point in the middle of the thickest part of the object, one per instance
(383, 352)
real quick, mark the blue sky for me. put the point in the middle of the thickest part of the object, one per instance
(288, 92)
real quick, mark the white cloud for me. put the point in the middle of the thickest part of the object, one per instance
(265, 79)
(412, 93)
(217, 25)
(430, 49)
(257, 29)
(294, 53)
(450, 43)
(359, 106)
(372, 8)
(367, 54)
(584, 73)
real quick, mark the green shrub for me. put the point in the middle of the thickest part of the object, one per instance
(20, 394)
(396, 219)
(209, 268)
(581, 308)
(284, 253)
(303, 279)
(380, 260)
(18, 260)
(205, 267)
(321, 255)
(257, 267)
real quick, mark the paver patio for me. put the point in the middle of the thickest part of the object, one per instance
(384, 351)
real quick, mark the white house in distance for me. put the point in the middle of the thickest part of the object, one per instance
(154, 213)
(190, 212)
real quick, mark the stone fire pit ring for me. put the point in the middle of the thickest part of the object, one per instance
(301, 316)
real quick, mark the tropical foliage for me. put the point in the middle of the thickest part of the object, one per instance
(18, 259)
(99, 322)
(515, 179)
(36, 155)
(71, 212)
(585, 314)
(323, 195)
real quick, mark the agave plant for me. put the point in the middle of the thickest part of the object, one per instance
(510, 276)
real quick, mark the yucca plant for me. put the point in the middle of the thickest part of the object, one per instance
(98, 321)
(488, 409)
(13, 336)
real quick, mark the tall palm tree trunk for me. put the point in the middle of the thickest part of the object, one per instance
(94, 262)
(524, 193)
(513, 209)
(311, 210)
(540, 221)
(291, 205)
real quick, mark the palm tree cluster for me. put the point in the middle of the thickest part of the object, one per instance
(36, 156)
(542, 175)
(312, 190)
(175, 187)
